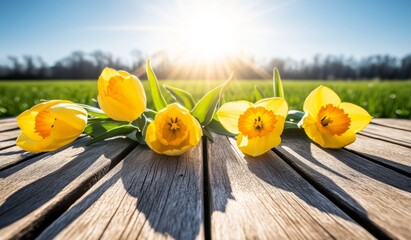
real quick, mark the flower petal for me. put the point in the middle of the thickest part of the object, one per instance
(318, 98)
(108, 73)
(229, 113)
(154, 143)
(258, 145)
(62, 131)
(72, 114)
(326, 140)
(336, 141)
(27, 119)
(44, 145)
(358, 115)
(121, 95)
(176, 152)
(134, 94)
(27, 123)
(195, 133)
(116, 110)
(277, 105)
(151, 139)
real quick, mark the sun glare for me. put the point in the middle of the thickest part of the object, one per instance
(209, 37)
(209, 31)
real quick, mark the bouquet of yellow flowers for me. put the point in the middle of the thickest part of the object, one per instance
(173, 128)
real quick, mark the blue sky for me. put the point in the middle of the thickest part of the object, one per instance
(295, 28)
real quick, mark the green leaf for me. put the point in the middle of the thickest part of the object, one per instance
(181, 96)
(278, 86)
(208, 134)
(290, 125)
(294, 116)
(205, 108)
(150, 114)
(258, 93)
(158, 99)
(97, 128)
(139, 122)
(137, 136)
(118, 131)
(95, 102)
(216, 127)
(94, 112)
(140, 135)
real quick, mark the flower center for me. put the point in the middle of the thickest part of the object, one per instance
(256, 122)
(173, 124)
(174, 131)
(333, 120)
(44, 122)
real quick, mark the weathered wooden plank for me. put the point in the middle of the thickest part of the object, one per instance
(12, 134)
(8, 139)
(147, 196)
(14, 155)
(388, 134)
(265, 198)
(376, 196)
(7, 120)
(390, 155)
(403, 124)
(37, 191)
(8, 124)
(6, 144)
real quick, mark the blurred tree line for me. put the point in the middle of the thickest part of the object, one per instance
(81, 65)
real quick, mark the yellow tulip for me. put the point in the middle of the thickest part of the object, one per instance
(173, 131)
(258, 126)
(121, 95)
(50, 125)
(330, 122)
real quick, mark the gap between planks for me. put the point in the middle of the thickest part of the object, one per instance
(43, 187)
(263, 197)
(207, 191)
(333, 172)
(147, 195)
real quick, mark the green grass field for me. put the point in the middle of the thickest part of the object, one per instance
(382, 99)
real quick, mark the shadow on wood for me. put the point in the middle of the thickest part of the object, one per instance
(263, 197)
(66, 175)
(145, 196)
(367, 190)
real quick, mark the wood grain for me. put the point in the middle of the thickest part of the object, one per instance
(264, 198)
(8, 125)
(8, 139)
(376, 196)
(12, 134)
(403, 124)
(147, 196)
(7, 120)
(388, 134)
(14, 155)
(390, 155)
(37, 191)
(7, 143)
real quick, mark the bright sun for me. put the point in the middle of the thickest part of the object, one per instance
(209, 36)
(208, 31)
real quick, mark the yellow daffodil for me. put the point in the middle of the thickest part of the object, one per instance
(50, 125)
(258, 126)
(173, 131)
(330, 122)
(121, 95)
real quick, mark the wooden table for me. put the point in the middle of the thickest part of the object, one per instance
(118, 189)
